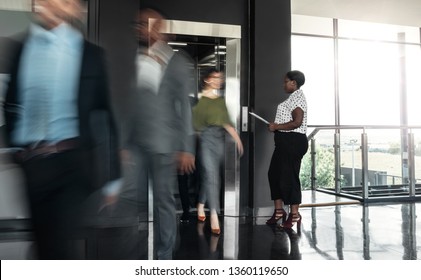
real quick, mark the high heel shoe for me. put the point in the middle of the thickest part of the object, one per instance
(200, 210)
(214, 223)
(277, 215)
(292, 219)
(216, 231)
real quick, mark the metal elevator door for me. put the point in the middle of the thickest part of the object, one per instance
(218, 46)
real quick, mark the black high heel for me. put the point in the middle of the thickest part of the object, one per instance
(277, 215)
(293, 218)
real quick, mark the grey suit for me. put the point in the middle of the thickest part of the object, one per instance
(158, 126)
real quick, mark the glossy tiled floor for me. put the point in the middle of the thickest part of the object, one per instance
(332, 229)
(345, 231)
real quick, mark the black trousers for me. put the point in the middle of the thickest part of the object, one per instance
(57, 186)
(284, 169)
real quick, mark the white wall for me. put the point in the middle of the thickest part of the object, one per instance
(398, 12)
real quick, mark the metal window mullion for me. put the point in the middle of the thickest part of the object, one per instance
(313, 164)
(337, 140)
(336, 71)
(337, 151)
(411, 164)
(364, 165)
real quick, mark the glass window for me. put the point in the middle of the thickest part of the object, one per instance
(314, 57)
(413, 84)
(369, 81)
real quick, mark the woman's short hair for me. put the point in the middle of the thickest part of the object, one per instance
(296, 76)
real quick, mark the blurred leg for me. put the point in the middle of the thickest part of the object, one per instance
(163, 184)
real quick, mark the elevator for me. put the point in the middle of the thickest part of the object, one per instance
(216, 45)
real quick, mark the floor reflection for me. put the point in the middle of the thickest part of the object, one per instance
(285, 244)
(337, 232)
(409, 229)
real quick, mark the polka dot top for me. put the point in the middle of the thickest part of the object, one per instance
(284, 111)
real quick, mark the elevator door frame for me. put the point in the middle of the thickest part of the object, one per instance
(232, 35)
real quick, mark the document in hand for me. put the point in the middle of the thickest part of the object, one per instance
(259, 117)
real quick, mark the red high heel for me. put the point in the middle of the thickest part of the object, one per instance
(215, 220)
(292, 219)
(201, 218)
(277, 215)
(216, 231)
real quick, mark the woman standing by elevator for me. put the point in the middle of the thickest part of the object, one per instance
(211, 121)
(289, 128)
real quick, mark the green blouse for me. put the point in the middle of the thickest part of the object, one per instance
(210, 112)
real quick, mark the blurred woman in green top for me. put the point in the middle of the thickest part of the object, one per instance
(211, 120)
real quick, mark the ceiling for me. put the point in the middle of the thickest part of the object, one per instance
(398, 12)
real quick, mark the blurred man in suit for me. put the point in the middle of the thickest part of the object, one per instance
(57, 81)
(159, 124)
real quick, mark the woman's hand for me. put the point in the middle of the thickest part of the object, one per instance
(231, 130)
(240, 148)
(273, 127)
(297, 120)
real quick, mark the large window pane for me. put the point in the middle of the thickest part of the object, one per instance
(324, 162)
(369, 81)
(413, 84)
(314, 57)
(384, 157)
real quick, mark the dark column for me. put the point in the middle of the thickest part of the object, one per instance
(271, 59)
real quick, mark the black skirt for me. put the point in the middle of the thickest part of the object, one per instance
(284, 169)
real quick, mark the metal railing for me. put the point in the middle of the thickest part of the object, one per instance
(407, 155)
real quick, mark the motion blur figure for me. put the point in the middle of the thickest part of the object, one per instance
(211, 121)
(159, 125)
(57, 81)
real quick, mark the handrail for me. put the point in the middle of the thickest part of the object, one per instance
(408, 155)
(317, 128)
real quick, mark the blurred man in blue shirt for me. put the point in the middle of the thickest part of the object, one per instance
(57, 81)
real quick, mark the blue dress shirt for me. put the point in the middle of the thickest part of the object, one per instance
(49, 82)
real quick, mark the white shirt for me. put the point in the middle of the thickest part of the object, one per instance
(151, 66)
(284, 111)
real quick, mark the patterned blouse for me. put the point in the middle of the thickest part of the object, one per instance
(284, 111)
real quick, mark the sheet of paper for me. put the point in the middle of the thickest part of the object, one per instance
(259, 117)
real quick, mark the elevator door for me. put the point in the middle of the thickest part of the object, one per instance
(218, 46)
